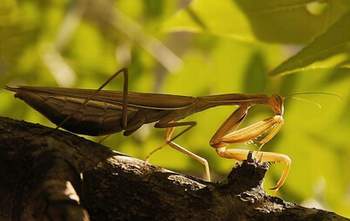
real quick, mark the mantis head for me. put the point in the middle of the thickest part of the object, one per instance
(276, 102)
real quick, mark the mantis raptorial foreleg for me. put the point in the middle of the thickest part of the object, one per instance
(259, 132)
(231, 124)
(169, 131)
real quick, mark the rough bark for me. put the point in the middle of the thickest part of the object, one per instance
(60, 176)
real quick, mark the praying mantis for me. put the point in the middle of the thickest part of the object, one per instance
(102, 112)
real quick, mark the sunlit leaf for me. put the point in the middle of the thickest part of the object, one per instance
(330, 49)
(291, 21)
(271, 21)
(255, 75)
(217, 17)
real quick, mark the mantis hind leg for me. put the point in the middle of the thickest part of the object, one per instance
(241, 154)
(169, 140)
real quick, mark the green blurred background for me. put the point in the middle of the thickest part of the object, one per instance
(198, 48)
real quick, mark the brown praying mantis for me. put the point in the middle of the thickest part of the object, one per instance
(103, 112)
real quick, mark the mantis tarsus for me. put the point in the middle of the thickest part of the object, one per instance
(102, 112)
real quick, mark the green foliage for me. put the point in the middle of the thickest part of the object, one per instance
(204, 47)
(272, 21)
(330, 49)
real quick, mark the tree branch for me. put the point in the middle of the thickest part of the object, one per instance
(60, 176)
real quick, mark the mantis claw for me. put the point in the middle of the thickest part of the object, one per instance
(241, 154)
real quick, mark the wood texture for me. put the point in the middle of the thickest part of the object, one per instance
(60, 176)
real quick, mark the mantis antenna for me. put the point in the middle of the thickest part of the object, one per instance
(315, 93)
(293, 96)
(319, 106)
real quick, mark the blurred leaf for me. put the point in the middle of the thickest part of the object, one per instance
(271, 21)
(8, 13)
(255, 75)
(153, 8)
(288, 84)
(331, 49)
(338, 75)
(284, 21)
(218, 17)
(98, 57)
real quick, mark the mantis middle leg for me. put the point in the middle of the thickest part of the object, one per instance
(169, 139)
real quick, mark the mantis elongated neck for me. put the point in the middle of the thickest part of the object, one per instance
(235, 99)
